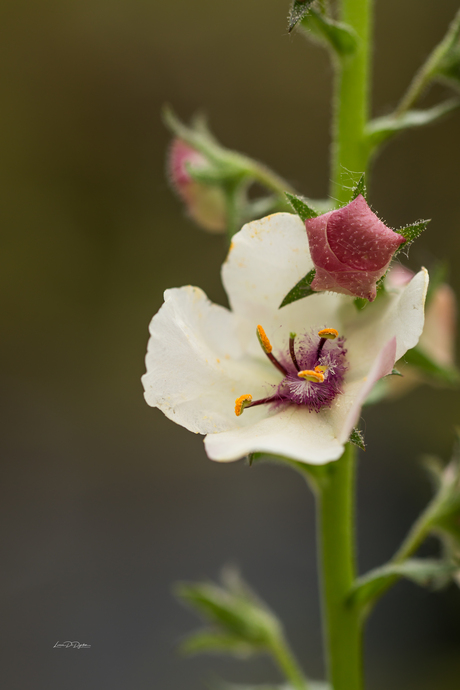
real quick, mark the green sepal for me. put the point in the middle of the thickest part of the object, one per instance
(357, 438)
(300, 206)
(359, 188)
(425, 572)
(361, 302)
(300, 290)
(382, 128)
(209, 641)
(218, 175)
(297, 12)
(423, 362)
(411, 233)
(231, 686)
(341, 37)
(448, 67)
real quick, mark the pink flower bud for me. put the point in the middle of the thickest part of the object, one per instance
(204, 203)
(351, 249)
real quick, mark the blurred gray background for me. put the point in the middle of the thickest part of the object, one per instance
(104, 503)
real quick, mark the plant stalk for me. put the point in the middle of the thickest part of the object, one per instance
(350, 149)
(428, 70)
(289, 666)
(343, 623)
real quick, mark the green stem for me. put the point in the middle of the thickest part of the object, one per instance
(350, 149)
(337, 546)
(288, 665)
(415, 537)
(428, 70)
(268, 178)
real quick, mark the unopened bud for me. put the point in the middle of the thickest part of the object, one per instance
(206, 204)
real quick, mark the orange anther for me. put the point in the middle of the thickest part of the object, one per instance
(263, 340)
(241, 403)
(311, 375)
(328, 333)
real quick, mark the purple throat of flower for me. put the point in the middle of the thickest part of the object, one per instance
(313, 367)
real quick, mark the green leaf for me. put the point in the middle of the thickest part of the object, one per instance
(341, 37)
(382, 128)
(357, 438)
(297, 12)
(359, 188)
(423, 362)
(301, 290)
(311, 685)
(410, 234)
(300, 206)
(209, 641)
(424, 572)
(233, 608)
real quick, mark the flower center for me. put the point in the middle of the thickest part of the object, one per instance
(313, 368)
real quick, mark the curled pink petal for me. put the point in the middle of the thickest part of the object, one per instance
(351, 249)
(399, 276)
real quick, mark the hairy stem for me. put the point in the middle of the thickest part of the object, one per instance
(343, 624)
(288, 665)
(426, 73)
(350, 149)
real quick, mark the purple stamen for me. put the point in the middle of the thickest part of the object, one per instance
(261, 401)
(295, 390)
(277, 364)
(320, 347)
(292, 351)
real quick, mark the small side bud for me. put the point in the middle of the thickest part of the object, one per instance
(205, 203)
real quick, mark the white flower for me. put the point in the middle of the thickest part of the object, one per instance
(202, 357)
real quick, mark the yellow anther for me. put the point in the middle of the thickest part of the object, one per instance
(311, 375)
(321, 369)
(241, 403)
(265, 344)
(328, 333)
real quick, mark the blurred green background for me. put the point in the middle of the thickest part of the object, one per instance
(104, 502)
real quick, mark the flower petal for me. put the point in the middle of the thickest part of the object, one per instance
(399, 314)
(293, 432)
(355, 393)
(194, 366)
(438, 338)
(266, 259)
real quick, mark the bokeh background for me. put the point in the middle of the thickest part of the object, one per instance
(104, 503)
